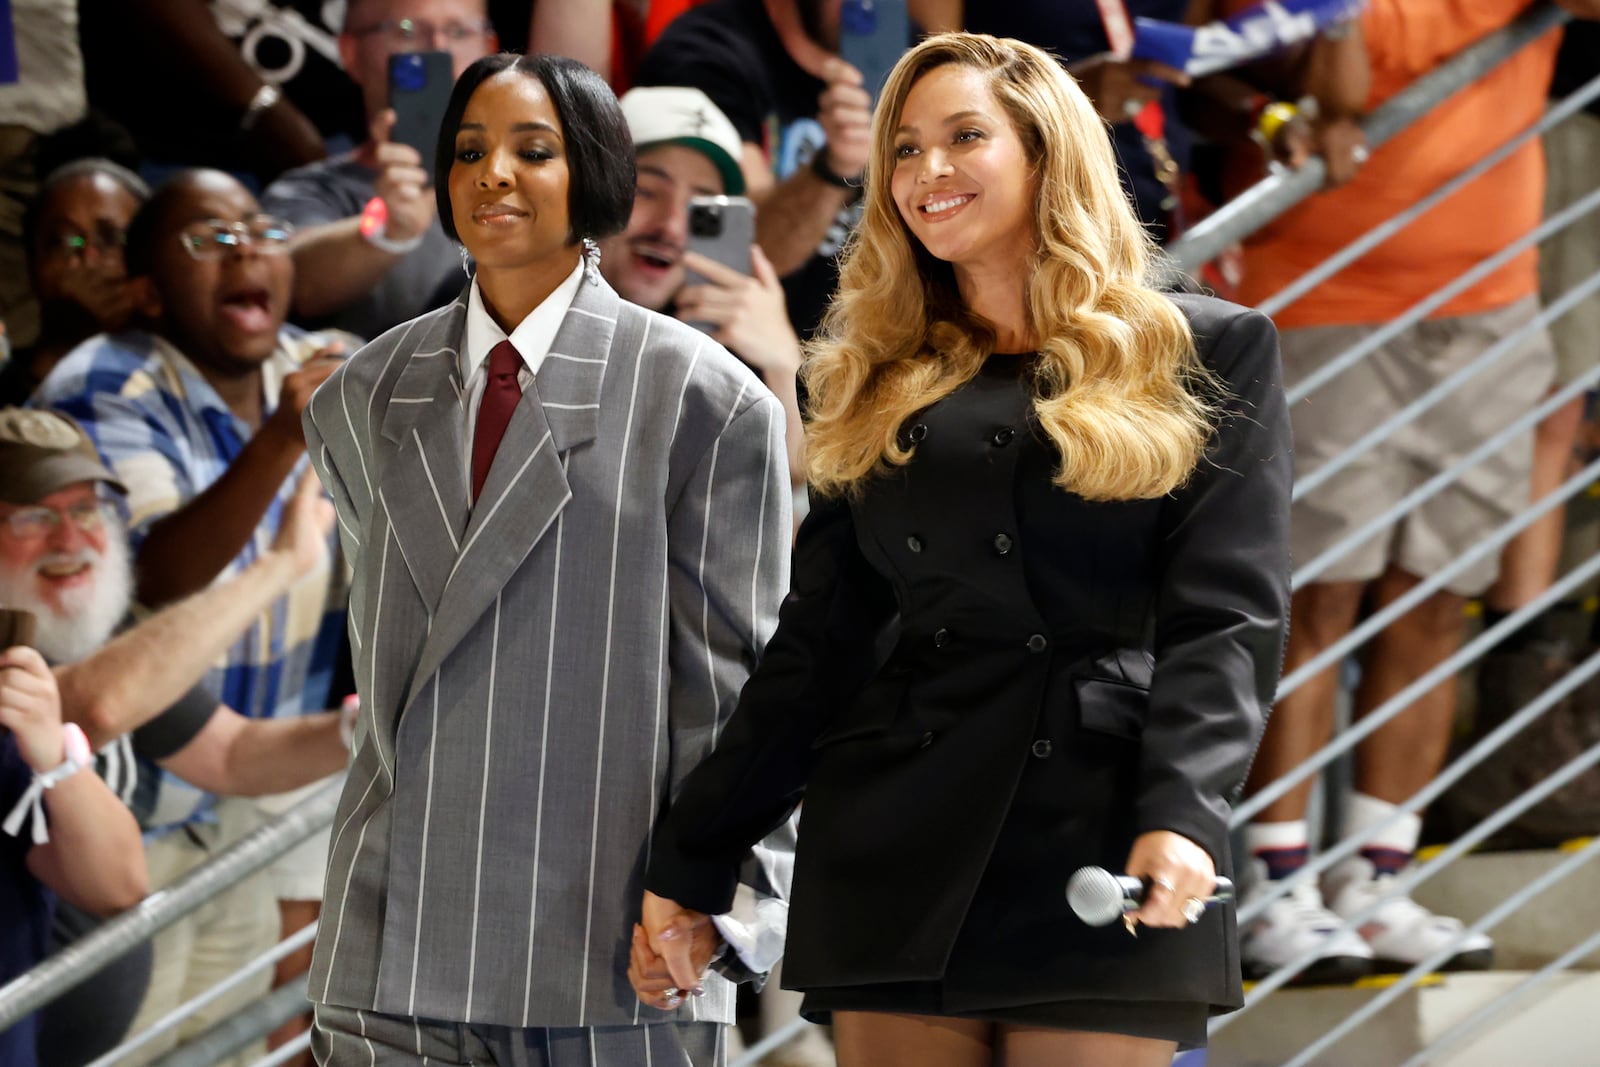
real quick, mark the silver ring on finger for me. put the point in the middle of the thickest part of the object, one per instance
(1132, 106)
(1164, 883)
(1193, 908)
(1360, 154)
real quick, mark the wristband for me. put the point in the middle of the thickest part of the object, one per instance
(375, 221)
(78, 756)
(349, 713)
(1274, 117)
(819, 167)
(266, 98)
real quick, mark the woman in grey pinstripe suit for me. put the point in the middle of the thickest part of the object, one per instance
(568, 521)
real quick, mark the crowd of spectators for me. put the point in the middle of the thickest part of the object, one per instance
(186, 252)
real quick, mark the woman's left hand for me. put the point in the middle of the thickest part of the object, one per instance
(1177, 871)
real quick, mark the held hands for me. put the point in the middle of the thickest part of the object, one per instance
(303, 531)
(1178, 871)
(402, 182)
(672, 947)
(750, 315)
(30, 707)
(845, 112)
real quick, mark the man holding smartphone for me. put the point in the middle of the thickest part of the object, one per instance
(369, 253)
(804, 122)
(686, 147)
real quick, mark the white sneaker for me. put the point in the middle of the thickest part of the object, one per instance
(1293, 925)
(1401, 933)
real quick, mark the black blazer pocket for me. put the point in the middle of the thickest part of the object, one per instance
(870, 714)
(1109, 707)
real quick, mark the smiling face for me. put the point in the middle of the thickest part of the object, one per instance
(643, 262)
(224, 311)
(962, 180)
(509, 180)
(64, 571)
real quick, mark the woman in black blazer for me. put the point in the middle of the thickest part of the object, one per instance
(1037, 613)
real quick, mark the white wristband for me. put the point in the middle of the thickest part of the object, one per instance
(78, 756)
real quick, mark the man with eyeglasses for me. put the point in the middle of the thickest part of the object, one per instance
(198, 414)
(370, 253)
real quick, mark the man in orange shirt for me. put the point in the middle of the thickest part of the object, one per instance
(1404, 39)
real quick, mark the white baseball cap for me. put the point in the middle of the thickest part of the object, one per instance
(675, 114)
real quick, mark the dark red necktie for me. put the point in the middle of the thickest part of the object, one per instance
(500, 395)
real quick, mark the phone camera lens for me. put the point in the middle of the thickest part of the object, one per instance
(408, 73)
(705, 220)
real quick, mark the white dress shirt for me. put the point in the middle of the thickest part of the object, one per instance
(532, 338)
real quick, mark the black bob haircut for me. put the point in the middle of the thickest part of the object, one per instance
(601, 180)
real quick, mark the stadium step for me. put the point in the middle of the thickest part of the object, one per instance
(1557, 1026)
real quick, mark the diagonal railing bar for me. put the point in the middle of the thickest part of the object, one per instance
(1486, 1013)
(1378, 620)
(1441, 391)
(1407, 880)
(174, 1018)
(1272, 196)
(1437, 484)
(1485, 747)
(1394, 992)
(1395, 705)
(27, 993)
(1557, 113)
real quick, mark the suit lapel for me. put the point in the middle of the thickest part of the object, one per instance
(527, 483)
(423, 486)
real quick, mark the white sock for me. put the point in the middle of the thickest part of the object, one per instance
(1363, 812)
(1259, 836)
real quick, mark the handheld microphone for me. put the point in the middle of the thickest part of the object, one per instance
(1100, 898)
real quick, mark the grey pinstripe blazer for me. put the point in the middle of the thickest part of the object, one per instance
(538, 673)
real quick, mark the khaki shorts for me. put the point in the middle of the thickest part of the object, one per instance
(1370, 394)
(1572, 256)
(299, 873)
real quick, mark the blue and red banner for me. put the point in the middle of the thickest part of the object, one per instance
(1268, 27)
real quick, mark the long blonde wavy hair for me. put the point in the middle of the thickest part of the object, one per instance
(1118, 386)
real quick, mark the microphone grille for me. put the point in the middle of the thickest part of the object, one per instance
(1094, 896)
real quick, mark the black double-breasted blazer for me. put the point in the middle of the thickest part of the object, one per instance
(981, 682)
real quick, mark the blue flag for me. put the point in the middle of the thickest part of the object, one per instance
(1268, 27)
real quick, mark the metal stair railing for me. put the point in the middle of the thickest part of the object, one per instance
(26, 994)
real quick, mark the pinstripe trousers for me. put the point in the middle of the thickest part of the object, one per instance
(345, 1037)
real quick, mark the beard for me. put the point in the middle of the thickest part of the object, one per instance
(87, 616)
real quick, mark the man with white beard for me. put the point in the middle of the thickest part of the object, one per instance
(64, 557)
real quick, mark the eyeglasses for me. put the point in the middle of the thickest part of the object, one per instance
(106, 240)
(405, 34)
(213, 238)
(37, 523)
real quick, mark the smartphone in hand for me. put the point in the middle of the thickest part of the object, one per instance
(722, 228)
(419, 91)
(873, 35)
